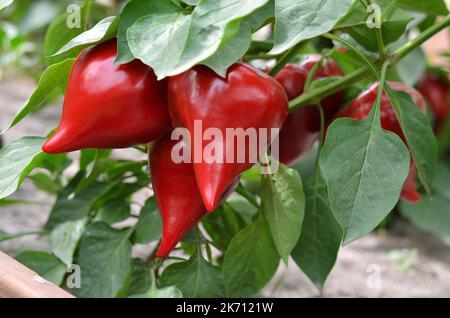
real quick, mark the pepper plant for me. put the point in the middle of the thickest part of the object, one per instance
(350, 155)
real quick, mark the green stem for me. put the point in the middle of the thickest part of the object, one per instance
(422, 38)
(313, 96)
(321, 137)
(245, 194)
(286, 58)
(312, 73)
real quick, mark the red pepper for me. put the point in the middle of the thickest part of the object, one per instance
(302, 126)
(437, 94)
(360, 108)
(109, 105)
(176, 192)
(245, 98)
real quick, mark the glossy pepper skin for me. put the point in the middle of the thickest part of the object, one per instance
(437, 94)
(176, 193)
(360, 108)
(245, 98)
(108, 105)
(302, 126)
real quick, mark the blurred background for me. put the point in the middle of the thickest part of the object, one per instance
(397, 260)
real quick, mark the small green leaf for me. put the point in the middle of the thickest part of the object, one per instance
(195, 278)
(104, 30)
(419, 135)
(55, 74)
(283, 202)
(317, 248)
(104, 257)
(44, 264)
(140, 279)
(64, 239)
(62, 30)
(365, 168)
(250, 261)
(149, 226)
(17, 161)
(114, 211)
(297, 21)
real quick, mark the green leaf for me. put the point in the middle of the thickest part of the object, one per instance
(432, 214)
(250, 261)
(419, 136)
(140, 279)
(60, 32)
(17, 161)
(393, 23)
(71, 206)
(178, 40)
(319, 242)
(191, 2)
(133, 11)
(283, 202)
(149, 226)
(230, 52)
(104, 257)
(104, 30)
(64, 239)
(44, 264)
(114, 211)
(365, 168)
(57, 73)
(412, 67)
(297, 21)
(195, 278)
(431, 7)
(44, 182)
(259, 17)
(5, 3)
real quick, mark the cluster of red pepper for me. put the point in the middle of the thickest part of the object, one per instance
(119, 106)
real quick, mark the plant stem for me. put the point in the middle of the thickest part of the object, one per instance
(286, 58)
(245, 194)
(423, 37)
(313, 96)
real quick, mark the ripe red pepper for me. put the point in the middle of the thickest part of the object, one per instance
(302, 126)
(109, 105)
(176, 192)
(360, 108)
(246, 98)
(437, 94)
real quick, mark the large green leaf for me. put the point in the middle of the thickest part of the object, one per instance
(149, 225)
(283, 202)
(133, 11)
(432, 214)
(64, 239)
(140, 278)
(250, 261)
(431, 7)
(114, 211)
(16, 162)
(55, 74)
(46, 265)
(104, 30)
(419, 136)
(297, 21)
(393, 23)
(104, 257)
(195, 278)
(364, 167)
(319, 242)
(172, 43)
